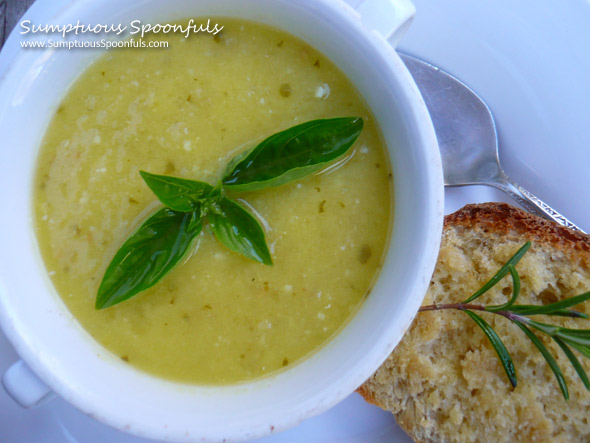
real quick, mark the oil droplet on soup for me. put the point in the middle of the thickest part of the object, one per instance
(185, 111)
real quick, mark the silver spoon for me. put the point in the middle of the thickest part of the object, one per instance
(467, 137)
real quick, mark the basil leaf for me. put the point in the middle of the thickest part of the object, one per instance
(149, 254)
(237, 229)
(293, 153)
(179, 194)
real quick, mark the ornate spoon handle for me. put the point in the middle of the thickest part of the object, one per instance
(532, 203)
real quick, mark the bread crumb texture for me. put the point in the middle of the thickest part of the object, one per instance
(444, 382)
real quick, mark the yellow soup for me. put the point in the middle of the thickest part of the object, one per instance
(186, 111)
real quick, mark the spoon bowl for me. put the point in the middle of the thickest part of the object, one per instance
(467, 137)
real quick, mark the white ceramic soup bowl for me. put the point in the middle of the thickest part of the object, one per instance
(73, 365)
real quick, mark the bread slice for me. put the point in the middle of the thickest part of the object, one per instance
(444, 382)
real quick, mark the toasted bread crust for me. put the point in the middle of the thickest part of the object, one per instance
(506, 220)
(368, 395)
(444, 383)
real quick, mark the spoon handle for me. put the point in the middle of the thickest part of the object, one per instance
(533, 203)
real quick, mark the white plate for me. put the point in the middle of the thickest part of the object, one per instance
(530, 61)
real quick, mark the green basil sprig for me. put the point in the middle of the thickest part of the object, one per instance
(164, 238)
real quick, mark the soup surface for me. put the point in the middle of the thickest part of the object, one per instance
(186, 111)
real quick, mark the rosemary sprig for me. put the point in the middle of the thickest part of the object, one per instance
(566, 338)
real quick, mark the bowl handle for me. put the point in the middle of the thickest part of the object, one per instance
(390, 18)
(25, 387)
